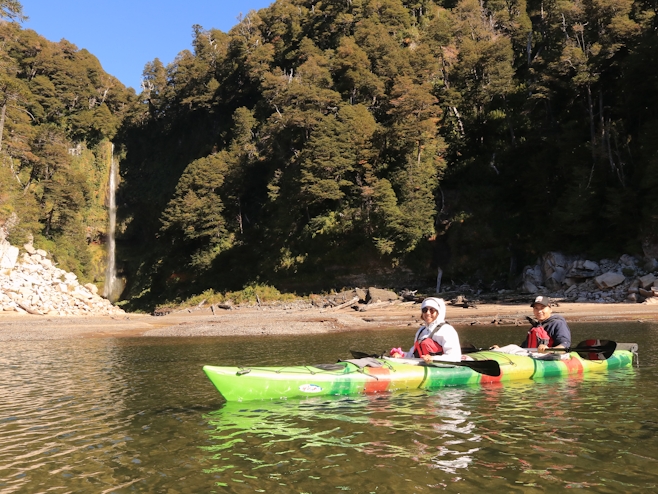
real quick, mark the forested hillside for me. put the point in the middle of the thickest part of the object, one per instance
(58, 113)
(322, 144)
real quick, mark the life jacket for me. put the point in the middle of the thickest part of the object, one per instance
(427, 346)
(538, 336)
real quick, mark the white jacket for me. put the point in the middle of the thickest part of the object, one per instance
(446, 336)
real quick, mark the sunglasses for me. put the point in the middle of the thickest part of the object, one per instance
(425, 309)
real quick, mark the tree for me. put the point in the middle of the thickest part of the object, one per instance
(11, 9)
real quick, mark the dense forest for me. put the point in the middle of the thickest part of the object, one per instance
(58, 113)
(324, 144)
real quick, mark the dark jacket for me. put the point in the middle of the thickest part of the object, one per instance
(557, 329)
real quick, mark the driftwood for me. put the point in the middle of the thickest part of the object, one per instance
(221, 306)
(28, 310)
(346, 304)
(377, 305)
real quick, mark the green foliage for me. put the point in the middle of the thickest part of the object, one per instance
(316, 143)
(58, 109)
(252, 294)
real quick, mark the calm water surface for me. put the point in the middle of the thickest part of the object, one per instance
(138, 415)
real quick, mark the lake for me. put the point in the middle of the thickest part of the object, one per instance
(132, 415)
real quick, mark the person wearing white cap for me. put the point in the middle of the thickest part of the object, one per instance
(436, 337)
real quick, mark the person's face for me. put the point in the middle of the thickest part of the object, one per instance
(542, 312)
(429, 314)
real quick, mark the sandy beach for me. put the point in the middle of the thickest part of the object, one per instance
(285, 321)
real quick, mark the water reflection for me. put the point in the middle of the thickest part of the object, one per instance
(526, 434)
(138, 415)
(351, 436)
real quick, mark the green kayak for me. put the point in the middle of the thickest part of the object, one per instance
(378, 375)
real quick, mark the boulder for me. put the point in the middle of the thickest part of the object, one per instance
(533, 274)
(647, 280)
(555, 280)
(609, 279)
(529, 287)
(590, 265)
(627, 260)
(583, 270)
(378, 295)
(91, 287)
(570, 282)
(8, 255)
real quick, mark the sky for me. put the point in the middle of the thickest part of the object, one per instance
(126, 34)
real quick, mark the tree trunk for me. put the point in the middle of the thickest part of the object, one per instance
(592, 134)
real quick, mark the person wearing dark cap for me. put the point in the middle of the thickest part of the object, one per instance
(548, 330)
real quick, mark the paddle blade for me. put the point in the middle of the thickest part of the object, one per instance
(487, 367)
(595, 349)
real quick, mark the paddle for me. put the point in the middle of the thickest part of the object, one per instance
(588, 349)
(487, 367)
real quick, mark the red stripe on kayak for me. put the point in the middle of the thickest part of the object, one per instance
(574, 366)
(484, 379)
(380, 382)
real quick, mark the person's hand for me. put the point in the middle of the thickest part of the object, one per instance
(494, 347)
(542, 348)
(396, 353)
(427, 358)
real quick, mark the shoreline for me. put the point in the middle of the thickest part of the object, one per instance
(243, 321)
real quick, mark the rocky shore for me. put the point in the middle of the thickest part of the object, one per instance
(39, 301)
(31, 284)
(627, 279)
(280, 320)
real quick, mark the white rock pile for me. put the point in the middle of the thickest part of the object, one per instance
(628, 279)
(32, 284)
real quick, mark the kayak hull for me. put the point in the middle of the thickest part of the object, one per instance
(269, 383)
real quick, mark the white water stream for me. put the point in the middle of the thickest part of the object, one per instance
(111, 285)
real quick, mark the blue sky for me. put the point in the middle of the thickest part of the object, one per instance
(126, 34)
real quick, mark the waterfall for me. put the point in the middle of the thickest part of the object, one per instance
(111, 285)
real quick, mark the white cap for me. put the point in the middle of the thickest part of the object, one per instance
(431, 302)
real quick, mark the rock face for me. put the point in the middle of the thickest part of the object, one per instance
(32, 284)
(628, 279)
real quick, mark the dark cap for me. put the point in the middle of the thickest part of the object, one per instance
(540, 299)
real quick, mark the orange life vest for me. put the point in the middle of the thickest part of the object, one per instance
(538, 336)
(427, 346)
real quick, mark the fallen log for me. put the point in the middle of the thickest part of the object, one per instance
(346, 304)
(28, 310)
(377, 305)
